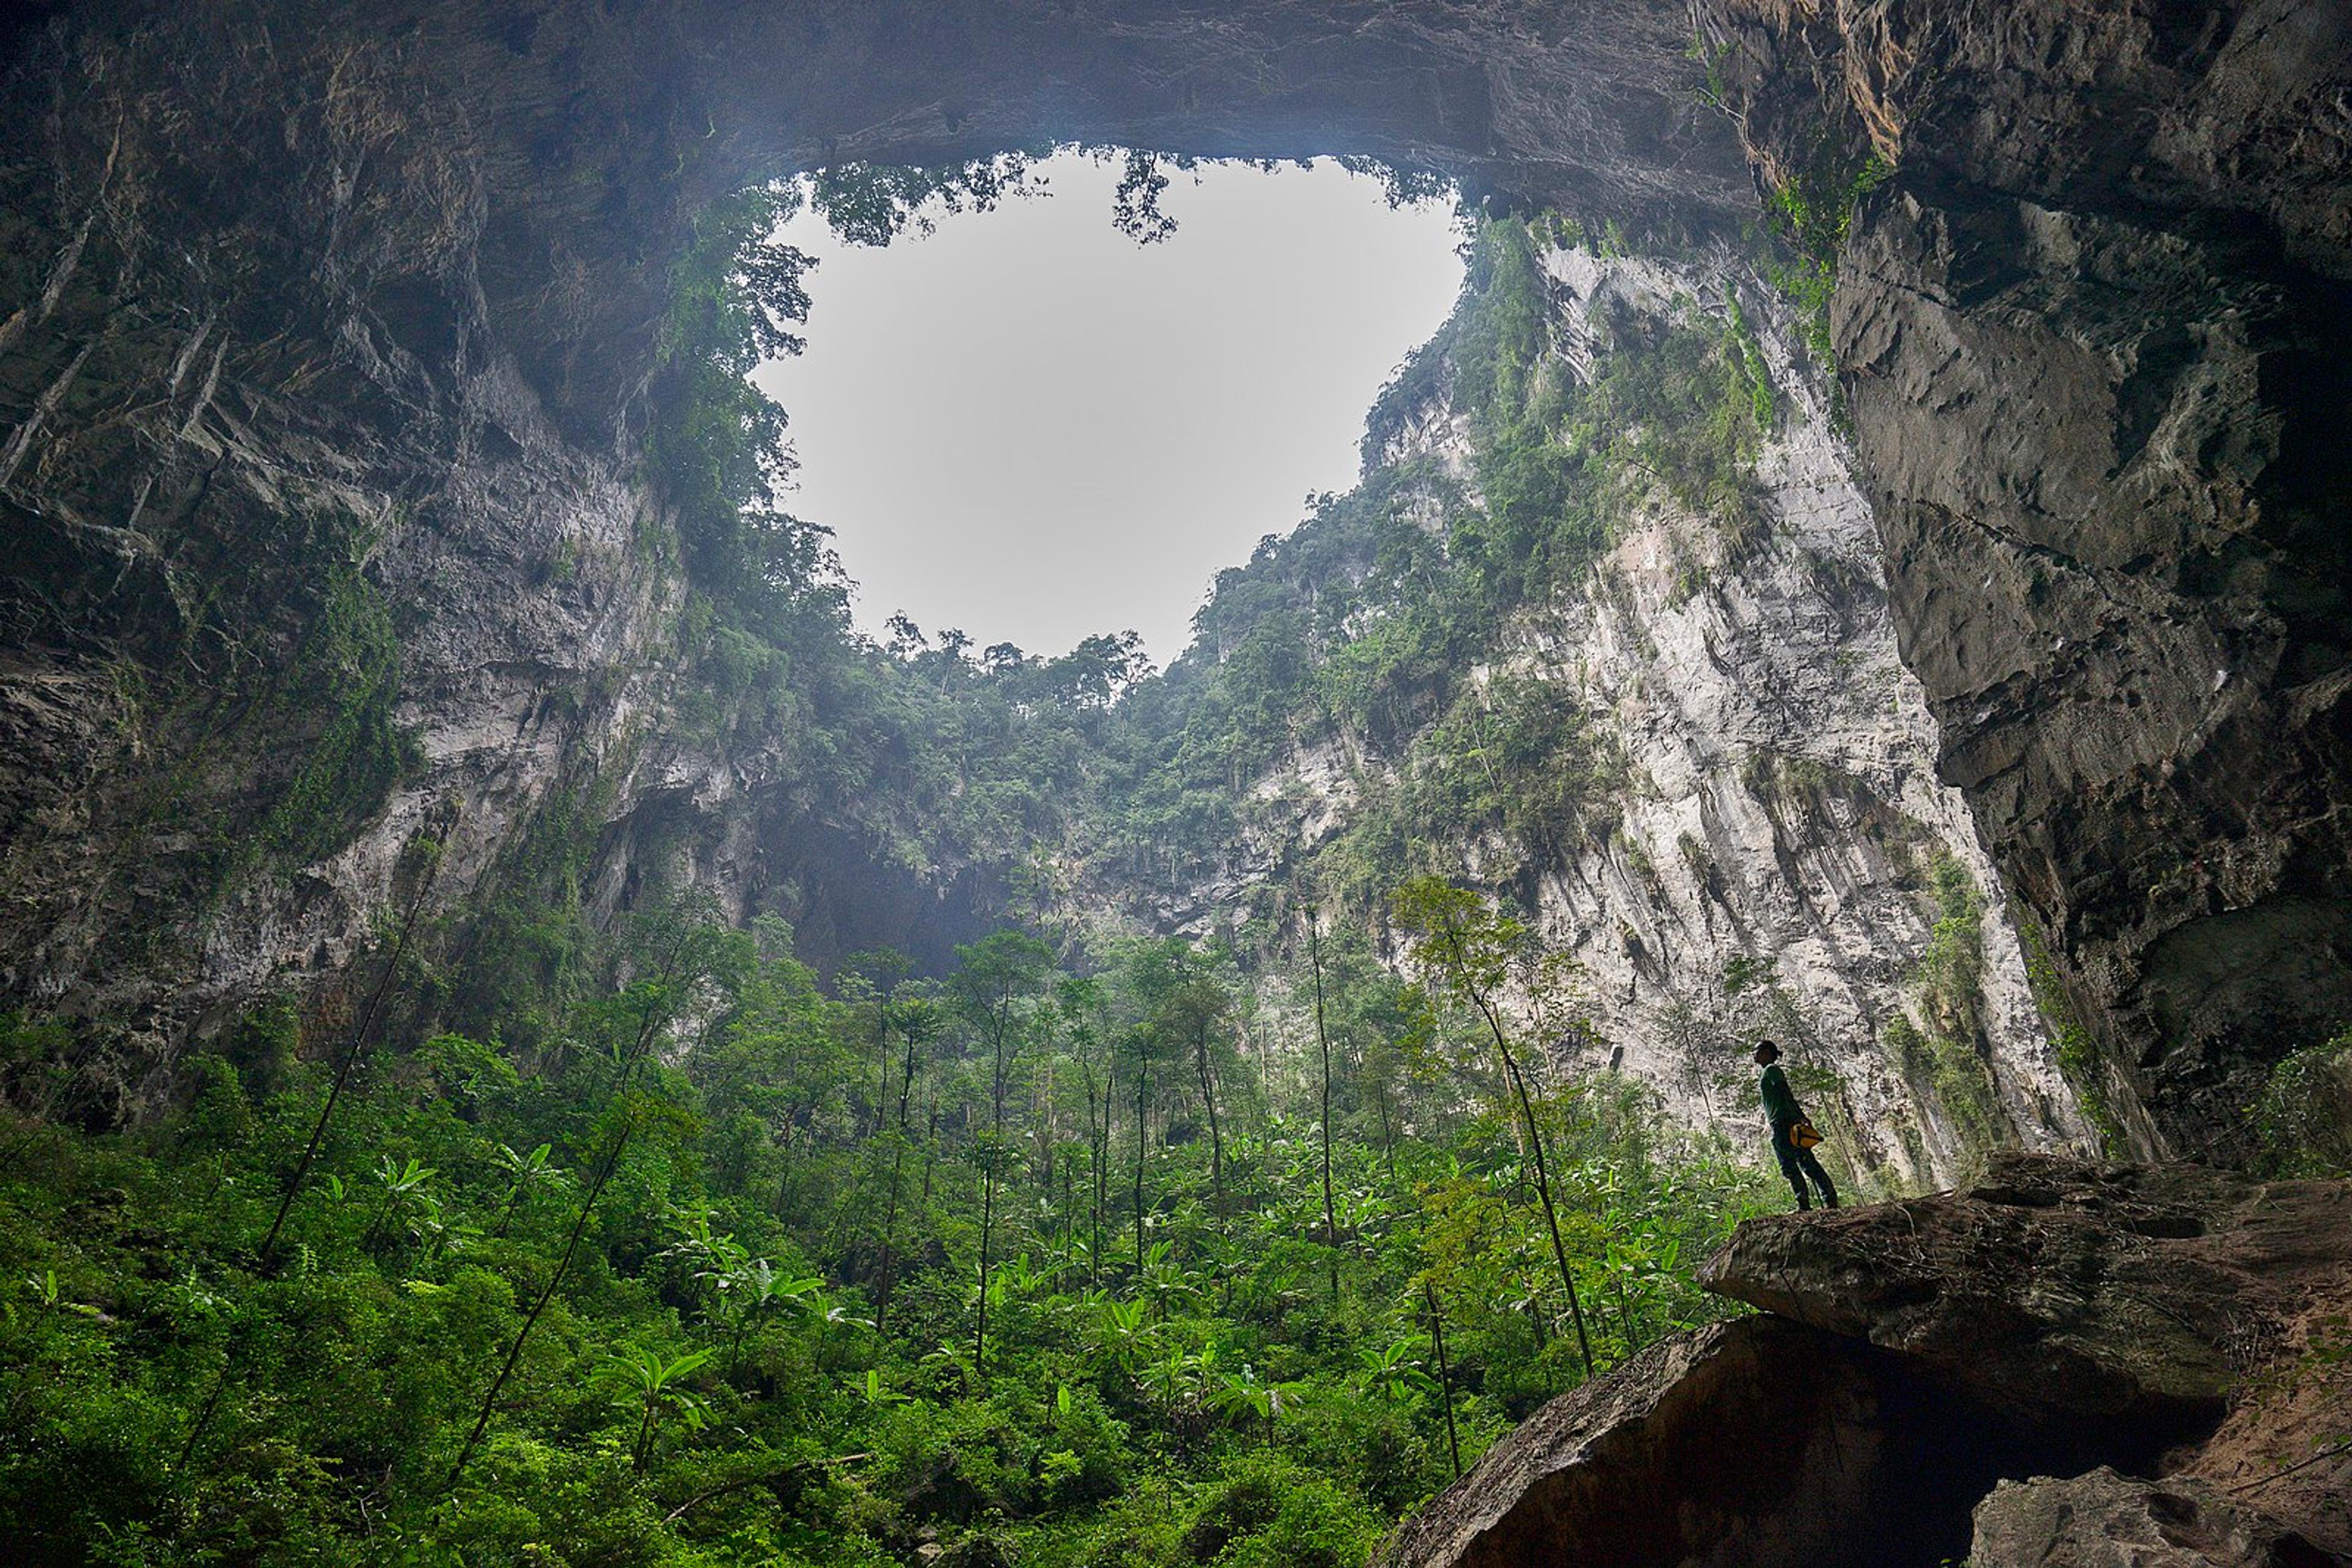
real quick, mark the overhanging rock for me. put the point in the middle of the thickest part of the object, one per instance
(2056, 1318)
(1756, 1443)
(2059, 1291)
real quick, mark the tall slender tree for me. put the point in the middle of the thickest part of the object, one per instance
(1142, 1093)
(1080, 1001)
(1468, 947)
(1190, 1019)
(1445, 1373)
(995, 976)
(1323, 1042)
(694, 945)
(917, 1022)
(426, 854)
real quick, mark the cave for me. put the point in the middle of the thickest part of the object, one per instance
(2086, 323)
(1773, 1445)
(356, 644)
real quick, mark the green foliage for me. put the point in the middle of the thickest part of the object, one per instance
(523, 957)
(1135, 205)
(1811, 214)
(1400, 185)
(1944, 1053)
(2079, 1059)
(1514, 759)
(873, 203)
(2303, 1121)
(694, 1182)
(1473, 952)
(347, 669)
(1355, 629)
(717, 448)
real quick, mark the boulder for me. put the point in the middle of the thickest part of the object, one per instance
(2057, 1318)
(2106, 1520)
(1758, 1443)
(2063, 1294)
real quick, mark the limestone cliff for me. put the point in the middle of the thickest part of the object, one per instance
(2091, 329)
(327, 335)
(1785, 806)
(1772, 851)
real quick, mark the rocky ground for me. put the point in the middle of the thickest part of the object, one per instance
(2064, 1364)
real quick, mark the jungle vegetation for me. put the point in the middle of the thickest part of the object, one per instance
(1066, 1258)
(553, 1241)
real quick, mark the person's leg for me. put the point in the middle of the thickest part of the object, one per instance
(1812, 1167)
(1786, 1153)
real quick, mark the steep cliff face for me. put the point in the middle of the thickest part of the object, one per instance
(2093, 330)
(301, 565)
(326, 334)
(1785, 810)
(1766, 848)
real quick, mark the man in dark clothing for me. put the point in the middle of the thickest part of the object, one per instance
(1781, 1107)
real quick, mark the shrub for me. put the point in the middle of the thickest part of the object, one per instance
(2303, 1117)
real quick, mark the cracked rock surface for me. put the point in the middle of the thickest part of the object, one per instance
(2101, 1365)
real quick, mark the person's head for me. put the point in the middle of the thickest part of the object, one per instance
(1767, 1053)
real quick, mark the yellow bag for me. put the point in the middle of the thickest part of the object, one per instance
(1804, 1135)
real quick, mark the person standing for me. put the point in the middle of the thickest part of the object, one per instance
(1781, 1110)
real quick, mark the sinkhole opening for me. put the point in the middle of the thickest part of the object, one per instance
(1062, 417)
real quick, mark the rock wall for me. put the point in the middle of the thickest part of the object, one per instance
(302, 564)
(325, 332)
(2091, 329)
(1781, 857)
(1786, 807)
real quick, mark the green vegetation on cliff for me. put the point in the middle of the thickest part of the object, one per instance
(1368, 627)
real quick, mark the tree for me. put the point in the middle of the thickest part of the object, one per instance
(1094, 673)
(865, 980)
(995, 975)
(1080, 1000)
(1140, 1047)
(655, 1382)
(524, 1173)
(1323, 1042)
(1445, 1373)
(917, 1019)
(422, 861)
(1469, 947)
(1190, 1017)
(683, 945)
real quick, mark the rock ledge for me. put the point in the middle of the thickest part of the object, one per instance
(1926, 1375)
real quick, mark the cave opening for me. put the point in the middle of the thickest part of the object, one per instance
(1921, 646)
(1064, 419)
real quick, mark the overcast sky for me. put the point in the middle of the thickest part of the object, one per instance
(1029, 426)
